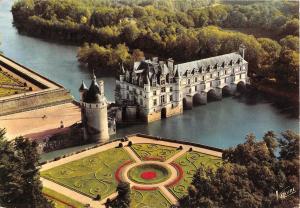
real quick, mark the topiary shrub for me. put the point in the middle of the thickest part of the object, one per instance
(191, 149)
(98, 197)
(120, 145)
(130, 143)
(180, 147)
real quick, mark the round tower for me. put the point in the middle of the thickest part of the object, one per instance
(94, 112)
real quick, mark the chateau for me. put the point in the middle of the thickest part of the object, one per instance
(156, 89)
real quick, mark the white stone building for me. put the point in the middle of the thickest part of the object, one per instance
(156, 89)
(94, 111)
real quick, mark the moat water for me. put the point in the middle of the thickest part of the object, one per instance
(220, 124)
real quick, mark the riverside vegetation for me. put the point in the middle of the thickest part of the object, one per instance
(121, 31)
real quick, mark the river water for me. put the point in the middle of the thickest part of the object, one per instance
(220, 124)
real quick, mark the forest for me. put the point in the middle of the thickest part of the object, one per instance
(112, 32)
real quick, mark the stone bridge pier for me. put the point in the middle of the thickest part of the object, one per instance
(214, 94)
(229, 90)
(187, 102)
(200, 98)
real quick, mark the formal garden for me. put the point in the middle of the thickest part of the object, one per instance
(98, 175)
(10, 85)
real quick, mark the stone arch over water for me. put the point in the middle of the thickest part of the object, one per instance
(226, 91)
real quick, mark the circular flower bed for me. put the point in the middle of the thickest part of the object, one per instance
(149, 174)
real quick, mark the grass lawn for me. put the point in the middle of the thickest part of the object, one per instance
(4, 79)
(162, 152)
(149, 174)
(149, 199)
(190, 162)
(91, 175)
(61, 201)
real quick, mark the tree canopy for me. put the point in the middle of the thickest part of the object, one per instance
(19, 174)
(184, 30)
(252, 175)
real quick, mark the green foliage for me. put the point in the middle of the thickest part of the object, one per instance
(99, 57)
(190, 162)
(250, 176)
(123, 198)
(161, 152)
(19, 175)
(55, 196)
(91, 175)
(184, 30)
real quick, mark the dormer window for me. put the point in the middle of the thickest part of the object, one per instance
(162, 82)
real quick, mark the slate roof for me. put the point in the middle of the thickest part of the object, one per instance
(82, 87)
(209, 62)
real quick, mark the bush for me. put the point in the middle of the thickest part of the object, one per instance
(98, 197)
(191, 149)
(120, 145)
(180, 147)
(130, 143)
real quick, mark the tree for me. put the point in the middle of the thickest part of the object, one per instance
(250, 175)
(19, 175)
(123, 198)
(137, 55)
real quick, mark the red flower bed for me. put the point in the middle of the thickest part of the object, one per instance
(180, 174)
(117, 173)
(148, 175)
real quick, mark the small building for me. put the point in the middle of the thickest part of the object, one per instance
(155, 89)
(94, 111)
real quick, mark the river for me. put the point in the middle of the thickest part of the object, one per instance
(220, 124)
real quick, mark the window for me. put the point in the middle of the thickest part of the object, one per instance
(162, 82)
(171, 97)
(163, 89)
(211, 84)
(127, 87)
(203, 78)
(189, 81)
(171, 89)
(240, 76)
(211, 75)
(218, 74)
(196, 80)
(154, 102)
(225, 72)
(195, 88)
(190, 90)
(162, 99)
(154, 92)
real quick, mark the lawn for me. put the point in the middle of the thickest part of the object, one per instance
(190, 162)
(4, 79)
(61, 201)
(149, 174)
(91, 175)
(149, 199)
(154, 151)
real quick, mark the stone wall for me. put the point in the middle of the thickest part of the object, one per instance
(34, 100)
(174, 111)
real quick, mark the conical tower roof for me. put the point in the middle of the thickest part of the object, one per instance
(82, 87)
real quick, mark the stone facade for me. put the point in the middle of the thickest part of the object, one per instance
(94, 111)
(156, 89)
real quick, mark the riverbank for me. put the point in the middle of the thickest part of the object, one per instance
(277, 92)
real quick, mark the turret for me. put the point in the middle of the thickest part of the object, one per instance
(94, 108)
(82, 89)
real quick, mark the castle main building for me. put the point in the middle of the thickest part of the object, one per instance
(156, 89)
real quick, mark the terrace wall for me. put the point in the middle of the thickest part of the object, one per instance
(34, 100)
